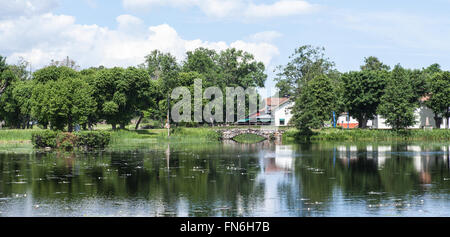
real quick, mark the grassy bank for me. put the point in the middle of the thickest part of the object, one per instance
(333, 134)
(248, 138)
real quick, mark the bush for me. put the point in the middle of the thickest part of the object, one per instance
(69, 141)
(89, 140)
(44, 139)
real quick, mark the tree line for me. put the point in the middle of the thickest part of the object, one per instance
(60, 96)
(310, 78)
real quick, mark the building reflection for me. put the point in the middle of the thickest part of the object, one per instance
(424, 159)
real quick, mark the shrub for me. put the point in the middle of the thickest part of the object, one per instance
(44, 139)
(93, 139)
(69, 141)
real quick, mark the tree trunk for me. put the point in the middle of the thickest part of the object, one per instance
(84, 126)
(139, 121)
(447, 124)
(438, 121)
(114, 126)
(122, 126)
(168, 115)
(362, 122)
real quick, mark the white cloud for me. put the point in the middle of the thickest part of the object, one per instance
(41, 38)
(265, 36)
(280, 8)
(402, 29)
(16, 8)
(228, 8)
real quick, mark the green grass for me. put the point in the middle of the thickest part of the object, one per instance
(16, 135)
(200, 133)
(333, 134)
(249, 138)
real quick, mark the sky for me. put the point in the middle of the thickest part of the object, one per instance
(415, 34)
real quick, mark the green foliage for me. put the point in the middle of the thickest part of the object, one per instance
(397, 104)
(15, 104)
(315, 104)
(374, 64)
(68, 141)
(362, 93)
(93, 139)
(306, 63)
(439, 100)
(122, 93)
(335, 134)
(6, 76)
(64, 102)
(44, 139)
(54, 73)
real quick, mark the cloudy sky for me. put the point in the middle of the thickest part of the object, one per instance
(121, 32)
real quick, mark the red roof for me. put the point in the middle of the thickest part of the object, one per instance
(276, 101)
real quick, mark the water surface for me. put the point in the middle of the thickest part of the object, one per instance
(230, 179)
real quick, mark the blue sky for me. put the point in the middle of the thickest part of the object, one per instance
(120, 32)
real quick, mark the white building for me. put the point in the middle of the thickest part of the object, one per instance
(424, 119)
(282, 114)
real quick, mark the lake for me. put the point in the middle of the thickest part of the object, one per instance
(230, 179)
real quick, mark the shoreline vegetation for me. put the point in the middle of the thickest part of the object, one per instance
(14, 137)
(369, 135)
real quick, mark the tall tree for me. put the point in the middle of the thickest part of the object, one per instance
(64, 102)
(239, 68)
(15, 106)
(397, 105)
(439, 100)
(315, 104)
(305, 63)
(164, 67)
(374, 64)
(6, 76)
(120, 94)
(21, 69)
(362, 92)
(53, 73)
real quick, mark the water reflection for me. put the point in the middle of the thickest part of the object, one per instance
(230, 179)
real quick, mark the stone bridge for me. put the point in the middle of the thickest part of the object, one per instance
(269, 134)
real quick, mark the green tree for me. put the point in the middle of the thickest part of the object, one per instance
(315, 104)
(20, 69)
(305, 64)
(64, 102)
(15, 106)
(439, 100)
(164, 67)
(204, 62)
(6, 75)
(397, 105)
(121, 94)
(239, 68)
(53, 73)
(374, 64)
(362, 92)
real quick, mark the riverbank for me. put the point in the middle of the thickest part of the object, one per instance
(12, 138)
(333, 134)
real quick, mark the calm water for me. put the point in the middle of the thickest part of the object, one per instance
(230, 179)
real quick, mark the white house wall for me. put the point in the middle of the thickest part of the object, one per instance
(284, 111)
(422, 114)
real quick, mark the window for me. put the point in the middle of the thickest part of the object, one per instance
(282, 122)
